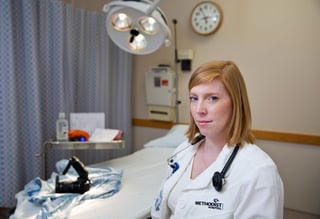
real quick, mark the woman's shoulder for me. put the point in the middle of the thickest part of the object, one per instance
(252, 157)
(254, 166)
(255, 153)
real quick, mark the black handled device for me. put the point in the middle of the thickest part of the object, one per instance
(81, 185)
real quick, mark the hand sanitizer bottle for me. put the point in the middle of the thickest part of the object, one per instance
(62, 128)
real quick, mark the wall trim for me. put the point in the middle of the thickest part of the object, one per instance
(299, 138)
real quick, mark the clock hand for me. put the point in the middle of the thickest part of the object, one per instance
(204, 16)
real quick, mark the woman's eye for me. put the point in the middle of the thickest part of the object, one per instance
(213, 98)
(193, 98)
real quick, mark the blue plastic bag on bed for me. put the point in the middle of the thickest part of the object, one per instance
(105, 182)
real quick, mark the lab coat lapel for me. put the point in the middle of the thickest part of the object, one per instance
(205, 178)
(183, 159)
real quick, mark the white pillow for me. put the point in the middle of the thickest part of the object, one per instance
(174, 137)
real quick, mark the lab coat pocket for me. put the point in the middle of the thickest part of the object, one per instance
(209, 204)
(224, 215)
(220, 216)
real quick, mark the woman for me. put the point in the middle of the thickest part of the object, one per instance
(221, 174)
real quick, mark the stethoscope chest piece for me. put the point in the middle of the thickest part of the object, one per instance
(218, 177)
(217, 181)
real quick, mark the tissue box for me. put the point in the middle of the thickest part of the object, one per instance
(87, 121)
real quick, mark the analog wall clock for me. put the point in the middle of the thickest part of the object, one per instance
(206, 17)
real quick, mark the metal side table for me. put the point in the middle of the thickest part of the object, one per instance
(76, 145)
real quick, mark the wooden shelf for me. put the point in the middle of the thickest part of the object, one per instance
(300, 138)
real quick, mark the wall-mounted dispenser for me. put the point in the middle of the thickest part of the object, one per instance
(185, 56)
(161, 93)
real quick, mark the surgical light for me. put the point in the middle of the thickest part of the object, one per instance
(138, 27)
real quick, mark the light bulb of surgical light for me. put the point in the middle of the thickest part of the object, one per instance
(121, 21)
(139, 42)
(149, 25)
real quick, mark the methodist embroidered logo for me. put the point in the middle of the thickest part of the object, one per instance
(216, 204)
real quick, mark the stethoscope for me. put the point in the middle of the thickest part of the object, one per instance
(218, 178)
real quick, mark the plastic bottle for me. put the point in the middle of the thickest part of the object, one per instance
(62, 128)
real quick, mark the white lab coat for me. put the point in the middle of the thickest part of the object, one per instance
(253, 188)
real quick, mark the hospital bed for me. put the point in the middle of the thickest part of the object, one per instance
(142, 174)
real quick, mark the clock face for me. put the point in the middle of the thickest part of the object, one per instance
(206, 18)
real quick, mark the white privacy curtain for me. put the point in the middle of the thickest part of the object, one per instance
(55, 58)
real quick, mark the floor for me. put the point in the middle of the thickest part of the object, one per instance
(288, 214)
(5, 213)
(292, 214)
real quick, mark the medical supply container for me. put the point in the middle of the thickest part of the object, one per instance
(161, 93)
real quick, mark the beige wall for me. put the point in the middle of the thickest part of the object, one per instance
(276, 45)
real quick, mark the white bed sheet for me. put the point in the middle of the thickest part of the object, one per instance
(143, 172)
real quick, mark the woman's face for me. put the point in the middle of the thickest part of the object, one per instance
(211, 108)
